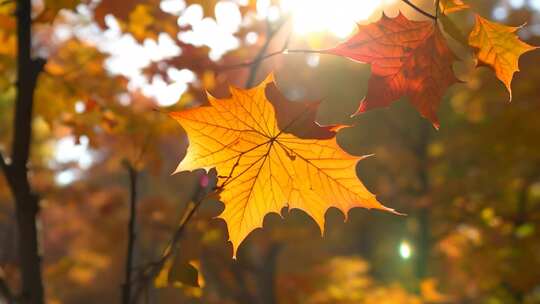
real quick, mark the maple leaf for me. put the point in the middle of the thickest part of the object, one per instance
(452, 6)
(408, 58)
(263, 168)
(498, 47)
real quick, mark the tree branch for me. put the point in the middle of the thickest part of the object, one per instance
(419, 10)
(151, 270)
(133, 178)
(270, 34)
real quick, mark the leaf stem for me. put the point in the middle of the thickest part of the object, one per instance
(421, 11)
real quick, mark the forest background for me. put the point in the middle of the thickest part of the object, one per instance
(103, 149)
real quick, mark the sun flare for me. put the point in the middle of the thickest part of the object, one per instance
(338, 17)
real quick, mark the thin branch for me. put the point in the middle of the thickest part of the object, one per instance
(151, 270)
(418, 9)
(258, 60)
(126, 288)
(270, 34)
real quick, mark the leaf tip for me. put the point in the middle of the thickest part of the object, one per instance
(361, 109)
(268, 80)
(367, 156)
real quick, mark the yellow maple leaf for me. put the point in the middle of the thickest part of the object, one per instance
(452, 6)
(262, 169)
(498, 47)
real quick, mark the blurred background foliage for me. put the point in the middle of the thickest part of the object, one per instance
(471, 190)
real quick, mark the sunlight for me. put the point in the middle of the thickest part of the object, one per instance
(405, 250)
(338, 17)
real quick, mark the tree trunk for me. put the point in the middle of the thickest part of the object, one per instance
(26, 202)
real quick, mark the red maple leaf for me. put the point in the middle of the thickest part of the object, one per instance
(408, 58)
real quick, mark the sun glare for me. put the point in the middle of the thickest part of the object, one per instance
(405, 250)
(338, 17)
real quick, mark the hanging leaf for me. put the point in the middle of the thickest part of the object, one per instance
(408, 58)
(498, 47)
(452, 6)
(263, 168)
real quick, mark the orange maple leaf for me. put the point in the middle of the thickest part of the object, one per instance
(408, 58)
(498, 47)
(262, 168)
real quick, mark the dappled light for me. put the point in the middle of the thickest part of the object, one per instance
(269, 151)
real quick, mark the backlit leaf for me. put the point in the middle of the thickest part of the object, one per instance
(451, 6)
(408, 58)
(498, 47)
(262, 168)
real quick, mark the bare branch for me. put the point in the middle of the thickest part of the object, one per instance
(256, 61)
(270, 34)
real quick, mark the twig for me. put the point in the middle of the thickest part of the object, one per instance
(257, 61)
(151, 270)
(270, 34)
(126, 288)
(418, 9)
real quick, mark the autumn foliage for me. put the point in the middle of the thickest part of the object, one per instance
(383, 164)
